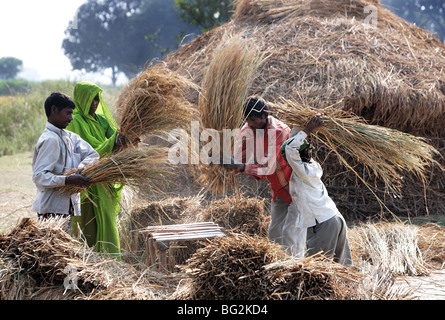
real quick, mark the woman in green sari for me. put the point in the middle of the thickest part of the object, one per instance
(99, 205)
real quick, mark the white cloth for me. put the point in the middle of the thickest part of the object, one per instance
(306, 188)
(56, 152)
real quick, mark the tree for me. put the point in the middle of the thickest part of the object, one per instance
(427, 14)
(121, 35)
(10, 67)
(206, 14)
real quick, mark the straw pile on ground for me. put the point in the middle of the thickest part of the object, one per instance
(230, 268)
(154, 103)
(234, 214)
(380, 67)
(163, 212)
(226, 83)
(41, 261)
(135, 167)
(391, 247)
(239, 214)
(431, 242)
(241, 267)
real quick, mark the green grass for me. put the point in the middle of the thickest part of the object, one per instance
(22, 116)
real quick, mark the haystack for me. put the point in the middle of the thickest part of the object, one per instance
(357, 55)
(242, 267)
(431, 242)
(230, 268)
(239, 214)
(163, 212)
(234, 214)
(38, 260)
(391, 247)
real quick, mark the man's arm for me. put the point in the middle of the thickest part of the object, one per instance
(87, 154)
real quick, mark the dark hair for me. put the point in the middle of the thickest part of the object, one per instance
(255, 106)
(60, 100)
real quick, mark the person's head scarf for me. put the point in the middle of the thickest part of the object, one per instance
(101, 132)
(84, 93)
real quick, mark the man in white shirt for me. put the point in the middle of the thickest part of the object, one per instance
(315, 211)
(56, 152)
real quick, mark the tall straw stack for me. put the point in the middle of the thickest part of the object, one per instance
(155, 102)
(135, 167)
(380, 67)
(385, 152)
(225, 87)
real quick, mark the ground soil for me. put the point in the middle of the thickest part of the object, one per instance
(17, 194)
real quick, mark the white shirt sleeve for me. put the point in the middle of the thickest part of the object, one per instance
(308, 172)
(84, 151)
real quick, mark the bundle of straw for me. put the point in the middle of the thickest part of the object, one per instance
(272, 11)
(392, 247)
(154, 103)
(231, 268)
(225, 87)
(239, 214)
(38, 257)
(136, 167)
(386, 152)
(242, 267)
(315, 278)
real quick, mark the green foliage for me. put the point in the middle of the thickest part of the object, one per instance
(10, 67)
(206, 14)
(12, 87)
(20, 121)
(22, 117)
(122, 35)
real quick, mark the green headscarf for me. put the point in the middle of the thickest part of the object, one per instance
(99, 204)
(101, 132)
(305, 149)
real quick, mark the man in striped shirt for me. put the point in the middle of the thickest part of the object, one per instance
(257, 153)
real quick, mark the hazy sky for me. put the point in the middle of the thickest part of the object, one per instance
(33, 31)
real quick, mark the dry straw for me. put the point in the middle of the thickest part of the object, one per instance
(239, 214)
(38, 260)
(386, 70)
(155, 102)
(387, 153)
(230, 268)
(225, 87)
(390, 247)
(242, 267)
(135, 167)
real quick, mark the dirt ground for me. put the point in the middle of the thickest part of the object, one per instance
(17, 194)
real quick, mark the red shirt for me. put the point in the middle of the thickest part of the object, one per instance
(260, 166)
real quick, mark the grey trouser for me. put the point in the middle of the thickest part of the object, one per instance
(283, 230)
(330, 237)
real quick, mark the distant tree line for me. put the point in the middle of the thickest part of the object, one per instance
(10, 67)
(123, 35)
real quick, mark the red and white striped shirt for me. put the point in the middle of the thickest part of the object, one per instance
(260, 164)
